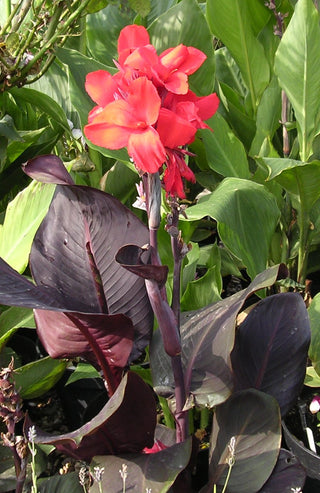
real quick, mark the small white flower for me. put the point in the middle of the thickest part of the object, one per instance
(32, 434)
(97, 473)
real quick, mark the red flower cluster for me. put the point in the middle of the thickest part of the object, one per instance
(147, 106)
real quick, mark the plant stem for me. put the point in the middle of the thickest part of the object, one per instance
(168, 319)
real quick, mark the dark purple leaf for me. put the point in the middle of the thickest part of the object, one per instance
(130, 257)
(126, 424)
(48, 169)
(207, 340)
(96, 337)
(74, 252)
(146, 472)
(271, 348)
(249, 423)
(288, 475)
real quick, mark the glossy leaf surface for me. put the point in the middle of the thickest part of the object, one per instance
(207, 337)
(271, 348)
(252, 419)
(125, 424)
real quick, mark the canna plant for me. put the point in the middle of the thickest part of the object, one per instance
(98, 282)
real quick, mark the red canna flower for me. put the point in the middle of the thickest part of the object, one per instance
(128, 123)
(147, 106)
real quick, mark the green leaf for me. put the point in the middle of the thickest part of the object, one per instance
(298, 70)
(252, 419)
(237, 24)
(66, 483)
(44, 103)
(314, 316)
(37, 377)
(300, 179)
(185, 23)
(207, 289)
(225, 152)
(146, 472)
(312, 379)
(268, 117)
(10, 321)
(247, 215)
(7, 128)
(83, 370)
(141, 7)
(23, 217)
(103, 29)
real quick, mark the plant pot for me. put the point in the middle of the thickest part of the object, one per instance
(308, 459)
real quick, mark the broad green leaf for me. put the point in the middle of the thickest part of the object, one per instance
(298, 70)
(314, 316)
(44, 103)
(10, 321)
(237, 23)
(23, 217)
(300, 179)
(7, 128)
(225, 152)
(247, 215)
(207, 289)
(251, 420)
(38, 377)
(185, 23)
(103, 29)
(65, 483)
(83, 370)
(120, 181)
(146, 472)
(268, 117)
(158, 8)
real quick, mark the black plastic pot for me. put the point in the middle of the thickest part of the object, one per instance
(308, 459)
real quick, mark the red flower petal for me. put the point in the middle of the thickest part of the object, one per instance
(145, 100)
(130, 38)
(146, 150)
(177, 82)
(106, 135)
(157, 447)
(174, 131)
(101, 87)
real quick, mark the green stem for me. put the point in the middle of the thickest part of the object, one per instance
(13, 12)
(304, 245)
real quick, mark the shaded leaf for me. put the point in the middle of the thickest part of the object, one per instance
(65, 483)
(38, 377)
(188, 26)
(225, 152)
(275, 332)
(237, 24)
(300, 179)
(250, 418)
(146, 472)
(244, 227)
(296, 65)
(125, 424)
(130, 257)
(287, 476)
(13, 318)
(207, 338)
(314, 350)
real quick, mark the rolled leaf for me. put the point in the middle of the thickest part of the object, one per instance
(288, 475)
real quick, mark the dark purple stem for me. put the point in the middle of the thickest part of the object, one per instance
(168, 318)
(177, 258)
